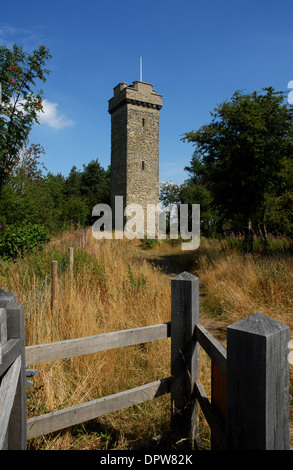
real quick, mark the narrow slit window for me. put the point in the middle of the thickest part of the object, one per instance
(143, 122)
(142, 165)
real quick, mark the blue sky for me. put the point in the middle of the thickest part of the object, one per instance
(195, 53)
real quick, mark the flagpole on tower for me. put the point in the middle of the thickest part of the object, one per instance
(140, 68)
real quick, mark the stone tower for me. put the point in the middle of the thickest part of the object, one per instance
(134, 113)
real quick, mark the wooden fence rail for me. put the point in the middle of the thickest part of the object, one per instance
(92, 344)
(249, 405)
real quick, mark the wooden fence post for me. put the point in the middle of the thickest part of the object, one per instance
(82, 241)
(257, 384)
(70, 254)
(54, 284)
(6, 297)
(184, 352)
(17, 431)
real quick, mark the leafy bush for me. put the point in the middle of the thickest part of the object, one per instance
(17, 240)
(75, 211)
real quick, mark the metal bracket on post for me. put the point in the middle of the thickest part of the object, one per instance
(30, 373)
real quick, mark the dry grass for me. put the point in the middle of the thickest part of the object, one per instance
(235, 285)
(111, 289)
(118, 285)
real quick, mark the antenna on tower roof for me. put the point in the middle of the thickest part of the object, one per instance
(140, 68)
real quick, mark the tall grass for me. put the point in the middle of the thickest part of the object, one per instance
(235, 285)
(111, 289)
(115, 287)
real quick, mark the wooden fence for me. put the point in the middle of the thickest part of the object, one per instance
(249, 405)
(13, 421)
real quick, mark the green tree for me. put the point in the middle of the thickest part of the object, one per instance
(55, 185)
(95, 183)
(75, 211)
(170, 193)
(26, 196)
(195, 190)
(242, 153)
(21, 102)
(91, 185)
(170, 196)
(73, 182)
(26, 200)
(27, 166)
(199, 194)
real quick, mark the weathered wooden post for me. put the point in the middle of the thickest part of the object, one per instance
(82, 240)
(70, 254)
(257, 384)
(6, 297)
(184, 352)
(17, 431)
(12, 328)
(54, 284)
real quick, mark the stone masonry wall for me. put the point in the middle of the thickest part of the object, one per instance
(134, 113)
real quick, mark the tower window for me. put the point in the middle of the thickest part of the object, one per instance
(143, 122)
(142, 165)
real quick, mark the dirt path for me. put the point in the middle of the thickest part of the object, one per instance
(170, 263)
(174, 263)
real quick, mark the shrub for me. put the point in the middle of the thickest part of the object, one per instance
(17, 240)
(75, 211)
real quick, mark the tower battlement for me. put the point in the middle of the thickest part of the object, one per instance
(140, 93)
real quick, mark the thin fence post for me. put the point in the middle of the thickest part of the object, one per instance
(17, 430)
(184, 353)
(257, 384)
(82, 240)
(70, 254)
(54, 285)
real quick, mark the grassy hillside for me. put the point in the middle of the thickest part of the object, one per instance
(119, 284)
